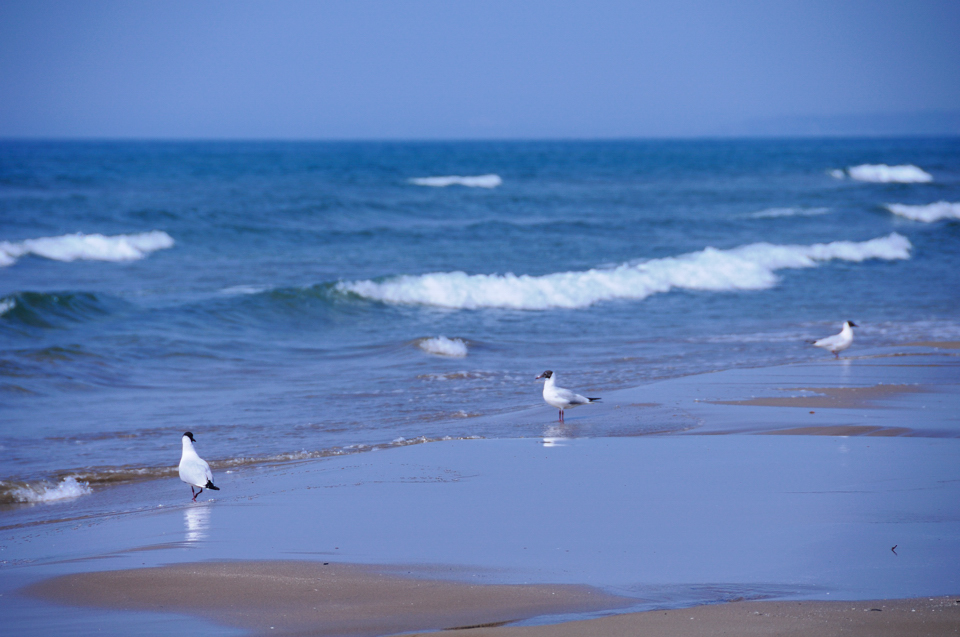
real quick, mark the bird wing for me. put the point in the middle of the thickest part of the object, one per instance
(195, 471)
(570, 397)
(829, 341)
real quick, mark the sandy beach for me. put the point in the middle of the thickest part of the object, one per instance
(555, 534)
(336, 599)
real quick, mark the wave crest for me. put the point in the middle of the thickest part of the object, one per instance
(928, 213)
(87, 247)
(476, 181)
(51, 309)
(749, 267)
(443, 346)
(69, 487)
(883, 174)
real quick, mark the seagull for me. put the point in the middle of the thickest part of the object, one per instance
(194, 470)
(838, 342)
(559, 397)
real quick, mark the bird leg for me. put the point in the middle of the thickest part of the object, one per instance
(561, 415)
(197, 493)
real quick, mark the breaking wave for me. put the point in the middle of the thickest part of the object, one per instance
(68, 488)
(477, 181)
(749, 267)
(87, 247)
(13, 492)
(443, 346)
(883, 174)
(928, 213)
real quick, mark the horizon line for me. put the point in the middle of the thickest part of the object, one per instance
(623, 138)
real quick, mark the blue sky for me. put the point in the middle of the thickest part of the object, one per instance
(438, 70)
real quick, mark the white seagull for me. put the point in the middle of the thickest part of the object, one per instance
(194, 470)
(838, 342)
(559, 397)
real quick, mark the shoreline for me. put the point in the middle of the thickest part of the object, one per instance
(872, 397)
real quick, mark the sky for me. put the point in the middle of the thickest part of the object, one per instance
(430, 69)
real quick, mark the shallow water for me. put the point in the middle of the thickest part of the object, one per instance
(287, 298)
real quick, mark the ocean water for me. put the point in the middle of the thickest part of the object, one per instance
(291, 300)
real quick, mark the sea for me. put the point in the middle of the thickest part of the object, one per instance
(292, 300)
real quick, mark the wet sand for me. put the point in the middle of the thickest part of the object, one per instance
(829, 397)
(931, 617)
(342, 599)
(316, 598)
(936, 344)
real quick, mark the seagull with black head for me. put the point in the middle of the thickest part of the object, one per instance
(194, 470)
(838, 342)
(558, 396)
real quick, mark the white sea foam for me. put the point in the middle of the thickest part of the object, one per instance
(928, 213)
(6, 305)
(88, 247)
(836, 173)
(46, 492)
(443, 346)
(749, 267)
(477, 181)
(773, 213)
(883, 174)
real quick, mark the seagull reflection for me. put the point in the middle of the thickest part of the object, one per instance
(196, 519)
(554, 436)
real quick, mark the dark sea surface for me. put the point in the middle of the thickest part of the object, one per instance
(285, 300)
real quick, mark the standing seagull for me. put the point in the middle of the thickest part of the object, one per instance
(838, 342)
(559, 397)
(194, 470)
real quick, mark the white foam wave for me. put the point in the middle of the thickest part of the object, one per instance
(773, 213)
(749, 267)
(883, 174)
(477, 181)
(443, 346)
(88, 247)
(928, 213)
(836, 173)
(6, 305)
(46, 492)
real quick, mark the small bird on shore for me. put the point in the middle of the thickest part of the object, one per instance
(838, 342)
(558, 396)
(194, 470)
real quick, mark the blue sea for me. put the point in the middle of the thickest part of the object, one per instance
(293, 300)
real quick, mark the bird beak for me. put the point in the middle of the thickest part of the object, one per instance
(538, 377)
(852, 324)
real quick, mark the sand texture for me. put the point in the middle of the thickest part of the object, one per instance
(829, 397)
(889, 618)
(316, 599)
(342, 599)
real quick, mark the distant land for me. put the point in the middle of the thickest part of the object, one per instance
(932, 123)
